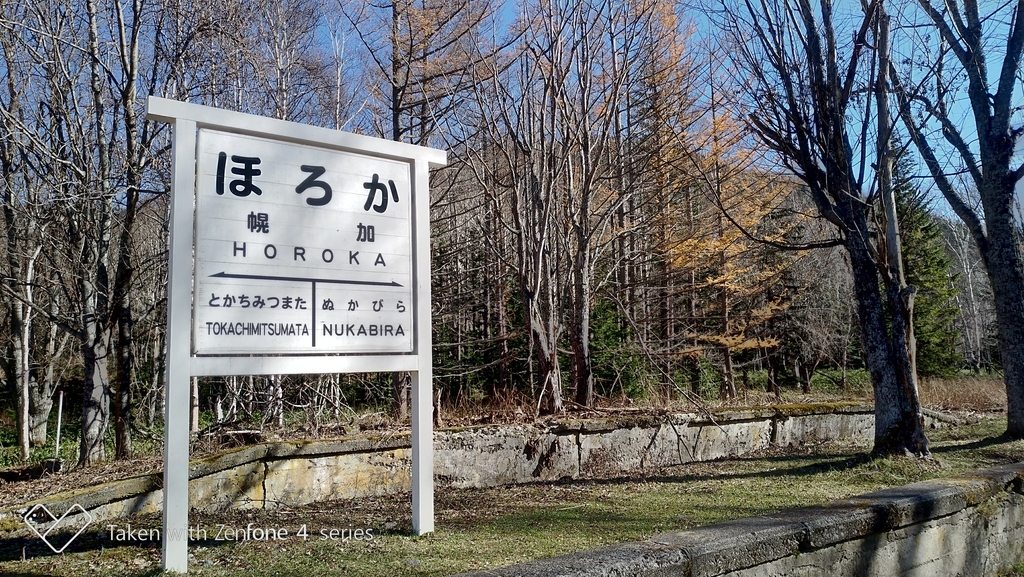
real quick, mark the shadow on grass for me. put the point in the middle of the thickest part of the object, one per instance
(657, 516)
(978, 444)
(833, 461)
(657, 511)
(8, 572)
(31, 547)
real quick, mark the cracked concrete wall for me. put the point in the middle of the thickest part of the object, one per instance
(488, 457)
(492, 456)
(296, 473)
(792, 431)
(346, 476)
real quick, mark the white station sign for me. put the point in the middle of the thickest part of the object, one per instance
(303, 251)
(300, 249)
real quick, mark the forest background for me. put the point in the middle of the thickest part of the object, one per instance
(615, 225)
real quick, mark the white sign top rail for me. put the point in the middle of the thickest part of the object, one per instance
(162, 109)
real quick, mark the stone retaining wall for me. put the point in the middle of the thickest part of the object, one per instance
(295, 473)
(965, 526)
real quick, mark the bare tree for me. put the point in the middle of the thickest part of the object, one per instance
(423, 53)
(88, 151)
(22, 227)
(516, 166)
(976, 321)
(822, 316)
(984, 149)
(799, 84)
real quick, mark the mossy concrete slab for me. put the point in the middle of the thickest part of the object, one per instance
(238, 488)
(614, 561)
(926, 529)
(734, 545)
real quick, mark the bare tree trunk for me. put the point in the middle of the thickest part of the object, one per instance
(96, 398)
(42, 393)
(579, 334)
(545, 338)
(193, 396)
(773, 376)
(1005, 265)
(159, 366)
(438, 422)
(20, 377)
(278, 399)
(896, 428)
(40, 403)
(400, 390)
(550, 377)
(94, 267)
(842, 382)
(17, 226)
(232, 384)
(335, 381)
(728, 391)
(728, 376)
(900, 297)
(123, 383)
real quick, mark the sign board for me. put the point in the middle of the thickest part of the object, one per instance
(300, 249)
(293, 250)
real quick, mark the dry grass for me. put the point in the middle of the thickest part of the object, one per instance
(44, 484)
(964, 393)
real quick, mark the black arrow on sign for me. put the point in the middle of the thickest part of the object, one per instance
(302, 279)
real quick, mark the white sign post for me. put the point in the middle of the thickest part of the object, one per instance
(293, 250)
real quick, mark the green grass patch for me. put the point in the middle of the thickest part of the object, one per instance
(488, 528)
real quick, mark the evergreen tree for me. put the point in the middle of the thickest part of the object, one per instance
(929, 269)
